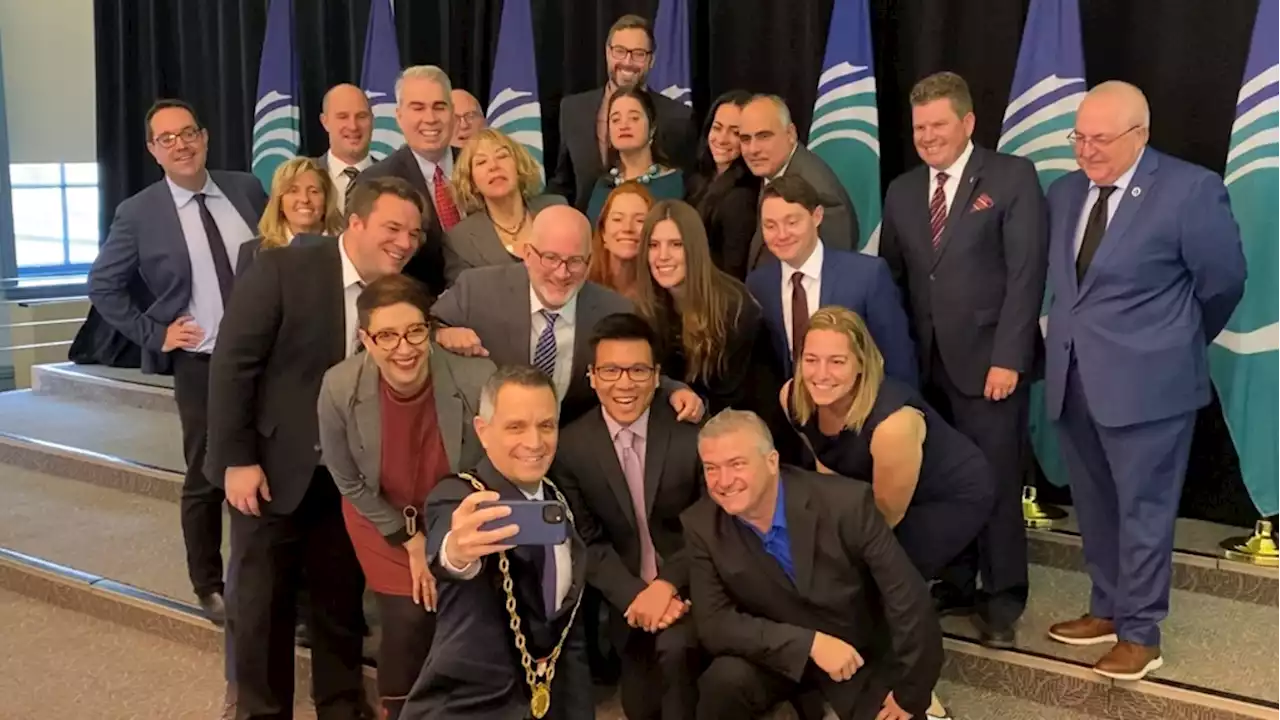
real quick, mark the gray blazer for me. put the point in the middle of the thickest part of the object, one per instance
(474, 243)
(839, 217)
(351, 426)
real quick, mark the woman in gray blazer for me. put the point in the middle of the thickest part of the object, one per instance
(498, 185)
(394, 419)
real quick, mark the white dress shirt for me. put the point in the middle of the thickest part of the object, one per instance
(428, 169)
(341, 181)
(563, 555)
(352, 284)
(954, 172)
(811, 272)
(206, 306)
(564, 331)
(1113, 203)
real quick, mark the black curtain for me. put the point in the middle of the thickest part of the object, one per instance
(1187, 55)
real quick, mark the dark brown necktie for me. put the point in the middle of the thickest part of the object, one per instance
(217, 248)
(1094, 229)
(799, 315)
(938, 210)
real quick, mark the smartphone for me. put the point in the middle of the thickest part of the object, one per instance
(542, 522)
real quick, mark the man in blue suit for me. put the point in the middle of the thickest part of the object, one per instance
(179, 235)
(804, 275)
(1146, 266)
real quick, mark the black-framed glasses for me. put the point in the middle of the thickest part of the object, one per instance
(552, 261)
(415, 335)
(618, 52)
(167, 140)
(1098, 141)
(613, 373)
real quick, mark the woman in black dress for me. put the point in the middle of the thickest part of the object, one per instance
(721, 187)
(930, 482)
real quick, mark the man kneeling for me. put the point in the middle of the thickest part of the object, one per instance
(798, 585)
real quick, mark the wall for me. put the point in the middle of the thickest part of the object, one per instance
(49, 80)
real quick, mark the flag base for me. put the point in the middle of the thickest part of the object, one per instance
(1037, 515)
(1257, 549)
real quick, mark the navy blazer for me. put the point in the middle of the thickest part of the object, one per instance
(852, 280)
(1168, 274)
(146, 240)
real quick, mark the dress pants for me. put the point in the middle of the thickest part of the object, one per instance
(659, 673)
(271, 556)
(999, 553)
(407, 630)
(201, 500)
(1126, 483)
(733, 688)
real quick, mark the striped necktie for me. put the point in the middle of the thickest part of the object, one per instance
(544, 353)
(938, 210)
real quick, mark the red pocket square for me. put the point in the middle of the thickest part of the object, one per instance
(984, 202)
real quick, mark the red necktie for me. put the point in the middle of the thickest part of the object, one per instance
(799, 316)
(938, 210)
(445, 208)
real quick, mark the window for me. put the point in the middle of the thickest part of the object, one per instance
(55, 217)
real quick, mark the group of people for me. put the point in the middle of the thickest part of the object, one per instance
(370, 358)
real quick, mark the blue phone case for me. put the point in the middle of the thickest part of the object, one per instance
(542, 522)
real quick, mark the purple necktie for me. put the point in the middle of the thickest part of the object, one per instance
(634, 473)
(549, 579)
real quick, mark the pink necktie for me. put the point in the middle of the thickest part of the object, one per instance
(634, 472)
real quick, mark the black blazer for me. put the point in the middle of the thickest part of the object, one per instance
(853, 581)
(731, 385)
(980, 293)
(578, 164)
(473, 671)
(596, 488)
(284, 327)
(731, 222)
(427, 264)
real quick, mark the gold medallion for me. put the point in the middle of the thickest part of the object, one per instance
(540, 702)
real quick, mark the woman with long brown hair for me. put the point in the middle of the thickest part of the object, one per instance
(617, 261)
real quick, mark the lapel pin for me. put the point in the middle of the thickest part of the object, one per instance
(1136, 192)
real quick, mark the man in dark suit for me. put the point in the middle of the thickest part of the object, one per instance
(179, 236)
(804, 273)
(798, 585)
(424, 110)
(348, 121)
(966, 238)
(292, 317)
(541, 312)
(476, 669)
(772, 150)
(584, 128)
(629, 469)
(1146, 267)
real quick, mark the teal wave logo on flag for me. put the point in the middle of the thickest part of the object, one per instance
(1243, 358)
(276, 116)
(513, 104)
(845, 131)
(378, 76)
(671, 75)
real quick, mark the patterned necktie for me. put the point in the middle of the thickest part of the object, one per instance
(634, 472)
(217, 248)
(544, 353)
(1095, 227)
(799, 315)
(938, 210)
(549, 579)
(448, 211)
(350, 173)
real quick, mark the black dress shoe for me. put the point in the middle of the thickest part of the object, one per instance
(999, 638)
(949, 601)
(302, 635)
(215, 609)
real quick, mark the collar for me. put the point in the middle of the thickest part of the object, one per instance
(428, 167)
(1122, 183)
(779, 513)
(812, 268)
(182, 196)
(640, 427)
(955, 169)
(535, 495)
(783, 170)
(350, 276)
(566, 312)
(337, 165)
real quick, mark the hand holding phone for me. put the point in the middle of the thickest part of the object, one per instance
(467, 542)
(537, 522)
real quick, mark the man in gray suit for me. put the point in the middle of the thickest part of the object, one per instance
(772, 149)
(348, 120)
(541, 313)
(179, 235)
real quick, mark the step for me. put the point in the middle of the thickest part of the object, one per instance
(102, 384)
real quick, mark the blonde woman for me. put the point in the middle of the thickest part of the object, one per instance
(499, 187)
(303, 201)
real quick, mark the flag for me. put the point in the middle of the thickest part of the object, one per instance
(1048, 85)
(513, 92)
(378, 77)
(846, 123)
(276, 128)
(1242, 360)
(670, 75)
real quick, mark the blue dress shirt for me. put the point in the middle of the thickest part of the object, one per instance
(777, 542)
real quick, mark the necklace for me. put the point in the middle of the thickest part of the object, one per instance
(511, 231)
(615, 176)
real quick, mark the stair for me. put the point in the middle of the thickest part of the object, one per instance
(90, 468)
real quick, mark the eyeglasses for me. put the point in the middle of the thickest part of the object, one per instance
(618, 52)
(167, 140)
(1098, 141)
(552, 262)
(471, 117)
(613, 373)
(415, 335)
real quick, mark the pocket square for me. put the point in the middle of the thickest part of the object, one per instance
(984, 202)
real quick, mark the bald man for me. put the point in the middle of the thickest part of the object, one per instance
(1145, 265)
(772, 149)
(348, 120)
(467, 115)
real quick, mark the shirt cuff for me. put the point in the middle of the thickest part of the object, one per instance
(465, 573)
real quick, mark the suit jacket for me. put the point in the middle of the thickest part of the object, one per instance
(861, 283)
(146, 240)
(839, 216)
(284, 328)
(473, 671)
(578, 165)
(494, 302)
(427, 264)
(350, 417)
(1163, 283)
(979, 295)
(853, 581)
(253, 248)
(594, 483)
(474, 243)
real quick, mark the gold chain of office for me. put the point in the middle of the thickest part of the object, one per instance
(540, 691)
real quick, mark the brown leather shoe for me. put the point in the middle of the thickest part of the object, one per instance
(1129, 661)
(1086, 630)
